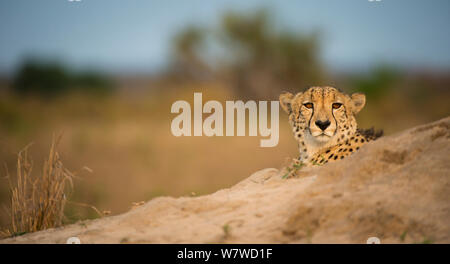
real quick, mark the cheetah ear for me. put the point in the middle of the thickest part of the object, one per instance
(286, 101)
(358, 100)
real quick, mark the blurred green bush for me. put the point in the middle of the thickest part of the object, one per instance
(49, 79)
(380, 81)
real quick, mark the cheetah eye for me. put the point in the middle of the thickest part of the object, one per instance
(336, 105)
(308, 105)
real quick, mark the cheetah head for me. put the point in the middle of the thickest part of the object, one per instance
(322, 116)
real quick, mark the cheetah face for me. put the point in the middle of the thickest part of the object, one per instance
(322, 115)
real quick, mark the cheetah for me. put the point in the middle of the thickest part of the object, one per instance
(324, 125)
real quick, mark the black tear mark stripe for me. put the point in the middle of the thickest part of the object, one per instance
(335, 131)
(309, 121)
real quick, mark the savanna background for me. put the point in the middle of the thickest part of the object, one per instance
(104, 74)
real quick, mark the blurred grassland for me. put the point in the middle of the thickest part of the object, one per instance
(127, 143)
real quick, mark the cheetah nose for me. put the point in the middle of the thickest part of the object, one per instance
(323, 125)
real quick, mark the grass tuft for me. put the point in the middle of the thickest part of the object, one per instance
(37, 201)
(291, 172)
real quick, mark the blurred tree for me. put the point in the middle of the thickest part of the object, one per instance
(258, 59)
(266, 60)
(188, 62)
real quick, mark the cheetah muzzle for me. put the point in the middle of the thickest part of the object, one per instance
(324, 124)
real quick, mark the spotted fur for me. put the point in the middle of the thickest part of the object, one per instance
(324, 124)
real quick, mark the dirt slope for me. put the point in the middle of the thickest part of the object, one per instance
(396, 188)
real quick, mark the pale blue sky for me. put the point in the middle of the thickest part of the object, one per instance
(134, 35)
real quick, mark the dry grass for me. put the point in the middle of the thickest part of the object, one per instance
(37, 202)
